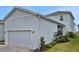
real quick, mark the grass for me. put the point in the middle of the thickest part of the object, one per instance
(2, 42)
(59, 47)
(72, 46)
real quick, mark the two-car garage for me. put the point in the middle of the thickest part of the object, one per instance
(21, 29)
(20, 38)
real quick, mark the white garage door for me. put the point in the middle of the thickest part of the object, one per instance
(20, 38)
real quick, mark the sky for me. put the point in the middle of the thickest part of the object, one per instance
(4, 10)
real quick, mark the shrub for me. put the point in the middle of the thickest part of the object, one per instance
(71, 34)
(42, 42)
(48, 45)
(51, 44)
(62, 39)
(54, 42)
(66, 38)
(2, 42)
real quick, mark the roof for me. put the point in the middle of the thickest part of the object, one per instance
(18, 8)
(1, 22)
(52, 20)
(32, 12)
(61, 12)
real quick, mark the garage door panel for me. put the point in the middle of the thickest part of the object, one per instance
(20, 38)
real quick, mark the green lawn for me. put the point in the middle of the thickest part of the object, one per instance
(72, 46)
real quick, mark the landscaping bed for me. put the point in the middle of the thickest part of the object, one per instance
(72, 46)
(68, 43)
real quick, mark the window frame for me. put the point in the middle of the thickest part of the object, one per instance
(61, 18)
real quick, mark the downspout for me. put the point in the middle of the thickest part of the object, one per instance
(37, 17)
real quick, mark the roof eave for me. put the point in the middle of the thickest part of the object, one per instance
(25, 10)
(52, 20)
(51, 14)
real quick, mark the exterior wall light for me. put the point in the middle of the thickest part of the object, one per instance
(33, 33)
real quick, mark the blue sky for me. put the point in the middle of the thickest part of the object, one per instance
(4, 10)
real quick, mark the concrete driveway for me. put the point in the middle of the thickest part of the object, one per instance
(4, 48)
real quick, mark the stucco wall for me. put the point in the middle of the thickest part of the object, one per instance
(46, 29)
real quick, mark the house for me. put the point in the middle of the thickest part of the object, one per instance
(24, 28)
(1, 29)
(64, 17)
(78, 28)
